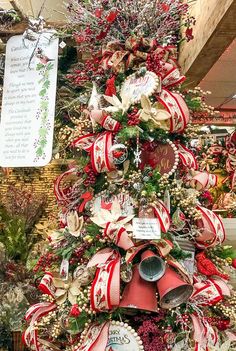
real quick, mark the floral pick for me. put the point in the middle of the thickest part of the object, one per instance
(152, 112)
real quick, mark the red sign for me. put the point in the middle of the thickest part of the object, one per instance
(162, 158)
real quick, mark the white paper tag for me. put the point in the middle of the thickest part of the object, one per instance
(146, 228)
(64, 269)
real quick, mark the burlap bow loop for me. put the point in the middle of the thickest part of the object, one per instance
(135, 51)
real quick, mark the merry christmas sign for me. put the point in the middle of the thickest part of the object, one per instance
(123, 338)
(28, 106)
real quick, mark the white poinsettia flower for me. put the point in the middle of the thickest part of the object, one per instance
(118, 105)
(152, 112)
(66, 290)
(114, 215)
(74, 223)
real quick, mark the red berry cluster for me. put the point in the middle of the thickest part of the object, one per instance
(75, 312)
(45, 261)
(86, 72)
(150, 146)
(90, 176)
(183, 320)
(133, 117)
(154, 63)
(90, 179)
(78, 254)
(219, 323)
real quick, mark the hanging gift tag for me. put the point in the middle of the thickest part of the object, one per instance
(64, 269)
(146, 228)
(62, 44)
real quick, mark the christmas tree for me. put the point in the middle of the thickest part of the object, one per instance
(137, 263)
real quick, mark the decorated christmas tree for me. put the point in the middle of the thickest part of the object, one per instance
(138, 262)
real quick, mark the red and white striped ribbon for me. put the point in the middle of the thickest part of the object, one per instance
(106, 121)
(63, 194)
(99, 147)
(35, 313)
(212, 231)
(203, 180)
(95, 339)
(178, 109)
(46, 285)
(172, 76)
(187, 157)
(118, 234)
(105, 290)
(85, 142)
(163, 215)
(101, 158)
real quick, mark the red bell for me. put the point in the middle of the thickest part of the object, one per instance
(139, 294)
(173, 291)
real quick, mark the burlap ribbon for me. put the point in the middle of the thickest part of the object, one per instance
(120, 57)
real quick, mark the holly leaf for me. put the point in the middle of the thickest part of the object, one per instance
(43, 132)
(50, 66)
(39, 152)
(43, 142)
(46, 84)
(44, 105)
(39, 66)
(43, 92)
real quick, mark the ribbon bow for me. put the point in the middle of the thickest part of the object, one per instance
(202, 180)
(120, 57)
(135, 51)
(98, 146)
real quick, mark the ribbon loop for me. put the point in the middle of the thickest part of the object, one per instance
(105, 290)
